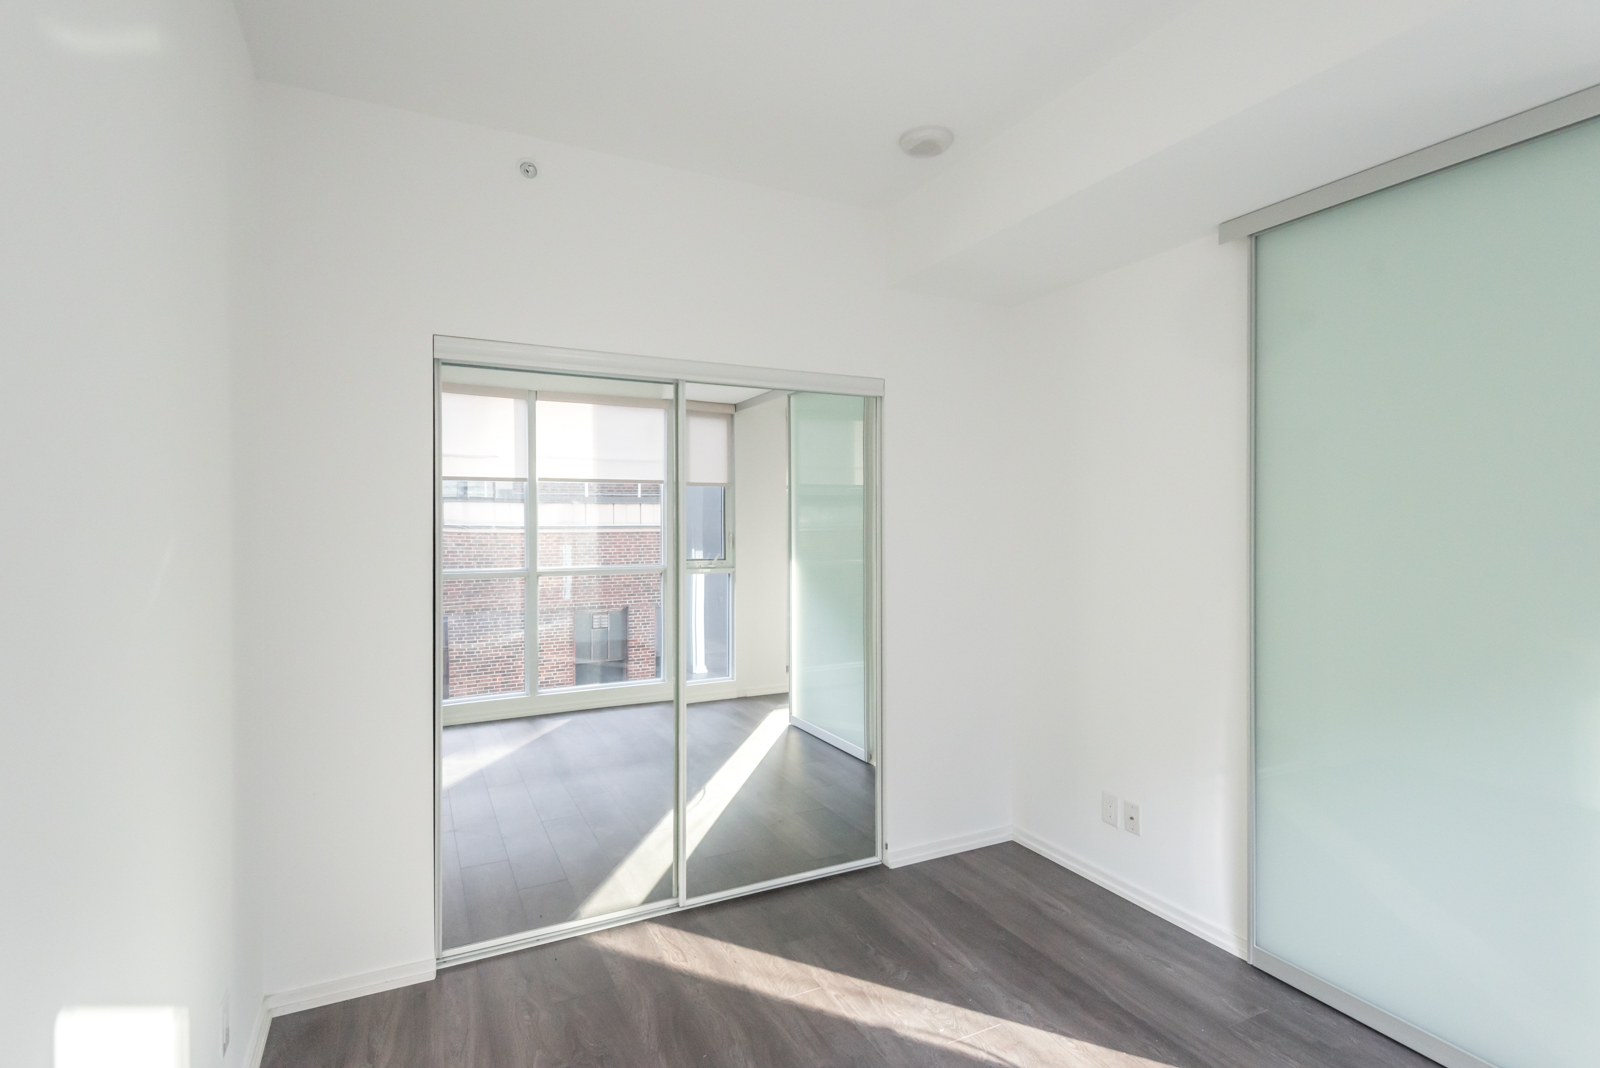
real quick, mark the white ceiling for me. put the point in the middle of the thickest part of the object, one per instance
(805, 95)
(1230, 107)
(1089, 133)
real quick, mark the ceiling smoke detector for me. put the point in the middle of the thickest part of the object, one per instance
(925, 142)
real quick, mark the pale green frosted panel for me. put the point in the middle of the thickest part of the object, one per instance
(1428, 601)
(827, 477)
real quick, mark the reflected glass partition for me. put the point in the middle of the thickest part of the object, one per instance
(780, 781)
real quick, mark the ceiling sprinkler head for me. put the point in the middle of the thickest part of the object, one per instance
(925, 142)
(528, 169)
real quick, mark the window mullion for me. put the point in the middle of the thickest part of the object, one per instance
(530, 532)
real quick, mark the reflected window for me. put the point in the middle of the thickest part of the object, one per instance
(710, 634)
(706, 521)
(601, 470)
(708, 593)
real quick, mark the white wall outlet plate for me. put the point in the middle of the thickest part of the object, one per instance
(1108, 808)
(1130, 817)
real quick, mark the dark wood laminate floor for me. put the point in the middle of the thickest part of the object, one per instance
(553, 818)
(993, 957)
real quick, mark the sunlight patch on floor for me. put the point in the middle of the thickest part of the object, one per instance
(925, 1020)
(464, 765)
(630, 883)
(707, 806)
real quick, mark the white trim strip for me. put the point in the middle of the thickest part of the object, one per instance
(945, 847)
(555, 933)
(832, 739)
(258, 1036)
(781, 882)
(1195, 925)
(354, 986)
(1523, 126)
(655, 368)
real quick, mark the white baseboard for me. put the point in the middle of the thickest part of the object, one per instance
(1195, 925)
(899, 858)
(828, 736)
(311, 997)
(354, 986)
(258, 1036)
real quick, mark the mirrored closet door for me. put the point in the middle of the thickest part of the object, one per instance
(780, 777)
(654, 644)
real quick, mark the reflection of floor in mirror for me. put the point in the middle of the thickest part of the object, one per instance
(553, 818)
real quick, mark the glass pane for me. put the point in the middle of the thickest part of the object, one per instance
(828, 570)
(554, 818)
(589, 442)
(596, 629)
(773, 794)
(704, 507)
(1428, 601)
(710, 634)
(484, 647)
(483, 436)
(708, 447)
(483, 524)
(599, 524)
(769, 799)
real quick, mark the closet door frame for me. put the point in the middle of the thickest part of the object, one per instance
(512, 356)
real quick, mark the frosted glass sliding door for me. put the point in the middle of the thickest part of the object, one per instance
(828, 478)
(1427, 626)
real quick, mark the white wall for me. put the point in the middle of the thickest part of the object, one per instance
(380, 228)
(1137, 682)
(123, 129)
(1114, 413)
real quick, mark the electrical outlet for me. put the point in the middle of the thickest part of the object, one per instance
(1108, 808)
(1130, 817)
